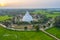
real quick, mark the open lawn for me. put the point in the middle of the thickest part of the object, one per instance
(54, 14)
(2, 18)
(55, 31)
(6, 34)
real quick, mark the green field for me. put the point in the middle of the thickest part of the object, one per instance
(55, 31)
(54, 14)
(2, 18)
(6, 34)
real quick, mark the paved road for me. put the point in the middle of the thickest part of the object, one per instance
(17, 29)
(3, 25)
(51, 25)
(50, 34)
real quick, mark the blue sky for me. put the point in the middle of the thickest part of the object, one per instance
(30, 3)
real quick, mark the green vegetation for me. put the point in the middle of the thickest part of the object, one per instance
(47, 13)
(53, 15)
(2, 18)
(20, 35)
(6, 34)
(55, 31)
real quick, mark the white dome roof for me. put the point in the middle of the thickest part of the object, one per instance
(27, 17)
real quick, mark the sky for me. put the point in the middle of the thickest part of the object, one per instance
(29, 3)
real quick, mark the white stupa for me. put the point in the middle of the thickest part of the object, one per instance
(27, 17)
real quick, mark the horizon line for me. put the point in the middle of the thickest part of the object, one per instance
(27, 8)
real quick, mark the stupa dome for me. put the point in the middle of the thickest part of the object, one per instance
(27, 17)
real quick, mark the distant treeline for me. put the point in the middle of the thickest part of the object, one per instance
(13, 12)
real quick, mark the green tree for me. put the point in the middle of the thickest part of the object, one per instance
(37, 27)
(57, 21)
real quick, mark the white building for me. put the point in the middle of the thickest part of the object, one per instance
(27, 17)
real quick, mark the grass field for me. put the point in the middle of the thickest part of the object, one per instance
(55, 31)
(54, 14)
(2, 18)
(20, 35)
